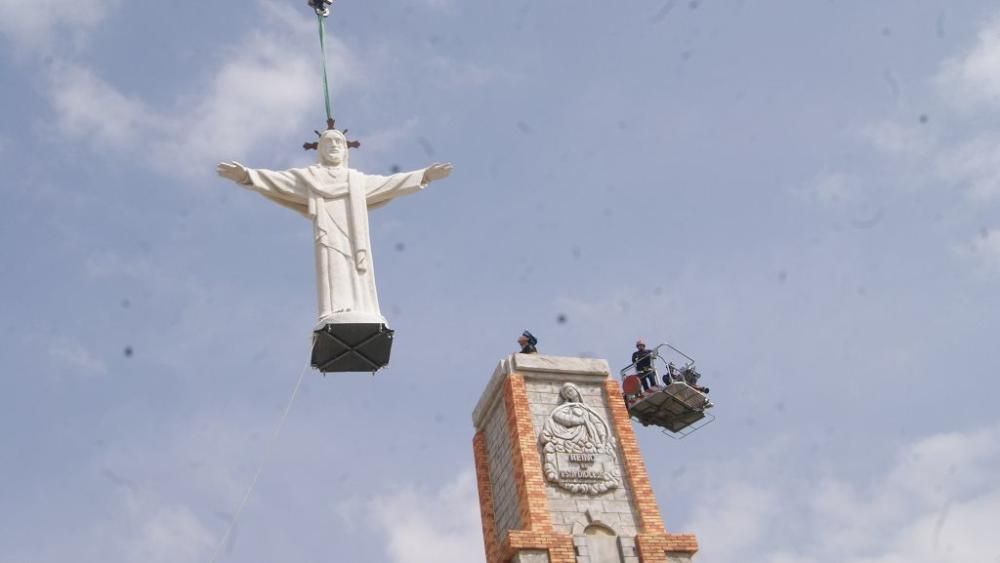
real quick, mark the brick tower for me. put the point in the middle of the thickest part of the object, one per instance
(560, 476)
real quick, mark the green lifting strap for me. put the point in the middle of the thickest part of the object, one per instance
(326, 83)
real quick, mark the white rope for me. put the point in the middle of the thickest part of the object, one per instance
(260, 466)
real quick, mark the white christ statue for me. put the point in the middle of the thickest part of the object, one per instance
(337, 199)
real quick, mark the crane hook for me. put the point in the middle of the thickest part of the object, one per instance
(321, 7)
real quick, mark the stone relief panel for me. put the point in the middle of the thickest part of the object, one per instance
(579, 450)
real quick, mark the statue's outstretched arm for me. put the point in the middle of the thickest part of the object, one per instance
(382, 189)
(275, 184)
(437, 171)
(234, 171)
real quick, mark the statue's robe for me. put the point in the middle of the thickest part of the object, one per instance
(337, 200)
(575, 423)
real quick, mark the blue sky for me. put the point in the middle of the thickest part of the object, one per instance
(805, 198)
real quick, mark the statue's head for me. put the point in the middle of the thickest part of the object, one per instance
(332, 145)
(570, 394)
(332, 148)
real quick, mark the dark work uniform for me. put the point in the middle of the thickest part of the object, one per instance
(643, 360)
(529, 349)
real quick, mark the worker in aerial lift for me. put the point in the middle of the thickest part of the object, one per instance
(527, 342)
(643, 361)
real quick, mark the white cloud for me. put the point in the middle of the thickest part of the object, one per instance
(141, 527)
(961, 153)
(166, 497)
(960, 533)
(746, 516)
(164, 534)
(938, 502)
(266, 90)
(431, 526)
(89, 108)
(975, 164)
(895, 139)
(32, 24)
(972, 80)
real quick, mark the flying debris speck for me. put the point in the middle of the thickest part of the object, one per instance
(893, 84)
(426, 145)
(400, 246)
(924, 118)
(868, 222)
(561, 319)
(782, 276)
(395, 169)
(128, 352)
(663, 12)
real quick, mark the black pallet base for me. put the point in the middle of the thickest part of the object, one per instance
(351, 347)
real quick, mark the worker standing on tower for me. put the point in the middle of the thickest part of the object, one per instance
(527, 342)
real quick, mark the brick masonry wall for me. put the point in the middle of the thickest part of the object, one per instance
(527, 463)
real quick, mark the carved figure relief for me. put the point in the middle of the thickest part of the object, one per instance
(579, 452)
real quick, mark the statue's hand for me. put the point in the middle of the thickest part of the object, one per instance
(233, 171)
(437, 171)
